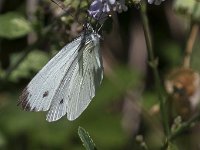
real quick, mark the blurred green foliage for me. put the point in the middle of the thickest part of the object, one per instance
(34, 61)
(188, 8)
(97, 118)
(13, 25)
(103, 118)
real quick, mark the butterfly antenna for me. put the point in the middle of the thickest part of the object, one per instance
(87, 23)
(97, 23)
(100, 28)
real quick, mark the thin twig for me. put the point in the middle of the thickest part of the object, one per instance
(189, 45)
(153, 63)
(185, 126)
(66, 8)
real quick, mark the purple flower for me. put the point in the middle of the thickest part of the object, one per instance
(156, 2)
(120, 6)
(100, 9)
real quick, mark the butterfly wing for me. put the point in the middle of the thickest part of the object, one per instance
(68, 82)
(80, 82)
(38, 94)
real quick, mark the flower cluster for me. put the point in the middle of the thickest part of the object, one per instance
(101, 8)
(156, 2)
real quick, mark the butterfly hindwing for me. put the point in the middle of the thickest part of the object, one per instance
(80, 82)
(85, 91)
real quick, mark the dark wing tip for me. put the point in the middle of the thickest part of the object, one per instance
(24, 101)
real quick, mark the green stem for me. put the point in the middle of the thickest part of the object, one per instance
(190, 44)
(184, 126)
(154, 64)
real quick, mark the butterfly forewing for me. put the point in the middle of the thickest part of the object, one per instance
(68, 82)
(38, 94)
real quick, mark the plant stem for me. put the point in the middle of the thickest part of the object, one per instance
(184, 126)
(154, 65)
(189, 45)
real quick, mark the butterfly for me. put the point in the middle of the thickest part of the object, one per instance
(68, 82)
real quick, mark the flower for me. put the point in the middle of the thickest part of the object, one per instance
(100, 9)
(156, 2)
(120, 6)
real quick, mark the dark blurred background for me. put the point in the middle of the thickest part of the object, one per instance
(126, 105)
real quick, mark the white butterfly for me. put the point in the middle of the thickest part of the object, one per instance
(68, 82)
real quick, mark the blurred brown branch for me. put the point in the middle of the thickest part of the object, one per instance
(189, 45)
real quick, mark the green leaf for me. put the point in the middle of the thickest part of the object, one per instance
(85, 138)
(13, 25)
(33, 62)
(2, 140)
(172, 146)
(189, 8)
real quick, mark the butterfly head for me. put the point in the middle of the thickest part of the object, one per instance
(89, 30)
